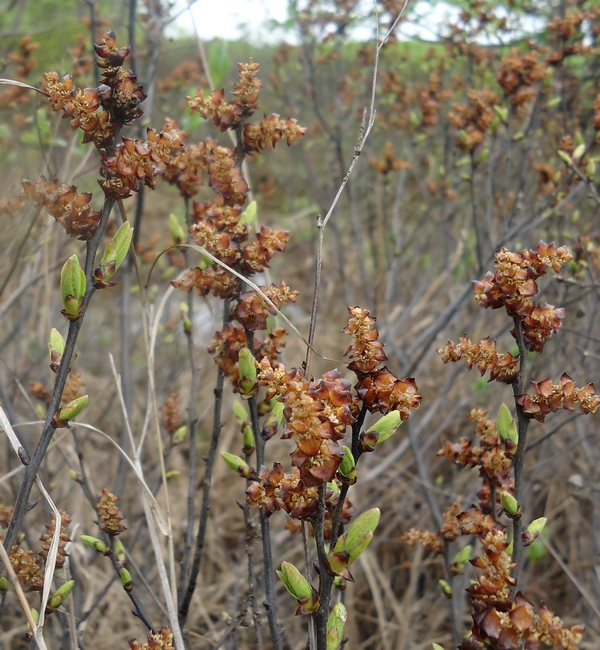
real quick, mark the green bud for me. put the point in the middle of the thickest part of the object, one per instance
(172, 474)
(564, 156)
(579, 151)
(94, 543)
(506, 426)
(73, 475)
(117, 247)
(386, 426)
(518, 136)
(36, 617)
(353, 542)
(248, 440)
(462, 136)
(241, 415)
(176, 229)
(555, 101)
(295, 582)
(274, 420)
(56, 347)
(578, 138)
(72, 409)
(184, 310)
(590, 168)
(247, 371)
(335, 626)
(537, 525)
(237, 464)
(249, 214)
(120, 554)
(436, 646)
(413, 119)
(510, 548)
(463, 555)
(466, 177)
(502, 113)
(419, 137)
(445, 588)
(179, 435)
(60, 595)
(72, 288)
(347, 467)
(483, 156)
(3, 585)
(510, 505)
(126, 579)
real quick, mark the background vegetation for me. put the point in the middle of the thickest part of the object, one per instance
(484, 137)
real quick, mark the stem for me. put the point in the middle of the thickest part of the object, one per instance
(475, 221)
(326, 581)
(20, 509)
(522, 426)
(250, 537)
(184, 607)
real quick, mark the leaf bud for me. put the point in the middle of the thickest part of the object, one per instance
(506, 426)
(249, 214)
(96, 544)
(462, 136)
(56, 347)
(335, 626)
(59, 595)
(590, 168)
(347, 467)
(445, 588)
(241, 415)
(176, 229)
(579, 151)
(533, 531)
(120, 554)
(237, 464)
(386, 426)
(3, 585)
(36, 617)
(179, 436)
(510, 505)
(564, 156)
(274, 420)
(247, 370)
(436, 646)
(126, 579)
(70, 411)
(172, 474)
(248, 440)
(518, 136)
(460, 559)
(184, 310)
(502, 113)
(72, 288)
(483, 156)
(353, 542)
(555, 101)
(297, 585)
(116, 250)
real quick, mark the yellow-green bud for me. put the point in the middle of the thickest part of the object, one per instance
(72, 288)
(518, 136)
(237, 464)
(56, 347)
(179, 435)
(60, 594)
(555, 101)
(460, 559)
(35, 615)
(564, 156)
(510, 505)
(184, 310)
(347, 467)
(249, 214)
(297, 585)
(120, 554)
(335, 626)
(126, 579)
(71, 410)
(502, 113)
(248, 440)
(3, 585)
(537, 525)
(241, 415)
(274, 420)
(445, 588)
(386, 426)
(353, 542)
(579, 151)
(436, 646)
(172, 474)
(176, 229)
(114, 254)
(590, 168)
(97, 544)
(483, 156)
(506, 426)
(247, 370)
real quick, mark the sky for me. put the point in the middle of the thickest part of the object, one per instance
(234, 19)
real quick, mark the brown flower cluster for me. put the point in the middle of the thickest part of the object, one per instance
(5, 514)
(449, 531)
(316, 412)
(550, 397)
(473, 119)
(514, 284)
(70, 208)
(278, 490)
(162, 640)
(518, 73)
(502, 622)
(270, 131)
(503, 366)
(25, 64)
(99, 111)
(568, 39)
(46, 538)
(389, 163)
(171, 419)
(109, 516)
(134, 162)
(252, 310)
(28, 567)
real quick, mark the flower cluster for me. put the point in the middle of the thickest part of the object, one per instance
(70, 208)
(518, 73)
(171, 419)
(514, 284)
(473, 119)
(25, 64)
(252, 310)
(550, 397)
(389, 163)
(99, 111)
(162, 640)
(503, 366)
(46, 538)
(29, 568)
(109, 516)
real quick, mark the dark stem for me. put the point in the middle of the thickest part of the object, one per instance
(250, 537)
(519, 460)
(184, 607)
(264, 519)
(20, 509)
(192, 418)
(326, 580)
(315, 302)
